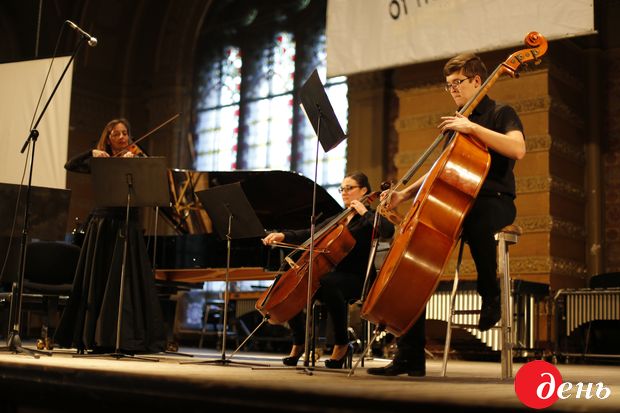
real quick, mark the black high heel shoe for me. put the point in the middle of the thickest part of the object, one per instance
(292, 360)
(345, 361)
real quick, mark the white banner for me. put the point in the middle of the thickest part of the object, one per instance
(364, 35)
(20, 87)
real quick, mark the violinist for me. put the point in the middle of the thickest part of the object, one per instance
(346, 280)
(499, 127)
(90, 317)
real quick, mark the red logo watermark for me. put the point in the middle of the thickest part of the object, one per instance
(539, 384)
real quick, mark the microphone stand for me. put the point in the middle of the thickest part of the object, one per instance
(14, 342)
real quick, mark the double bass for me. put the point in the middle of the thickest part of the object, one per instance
(288, 294)
(432, 226)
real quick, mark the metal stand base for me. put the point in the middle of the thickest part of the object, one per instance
(117, 356)
(14, 345)
(378, 331)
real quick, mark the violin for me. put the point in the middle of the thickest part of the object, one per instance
(134, 149)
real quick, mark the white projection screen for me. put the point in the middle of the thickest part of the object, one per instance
(364, 35)
(20, 87)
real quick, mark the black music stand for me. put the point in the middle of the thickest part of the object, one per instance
(320, 113)
(233, 218)
(128, 182)
(329, 134)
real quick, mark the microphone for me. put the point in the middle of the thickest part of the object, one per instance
(92, 41)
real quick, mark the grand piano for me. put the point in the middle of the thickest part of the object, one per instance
(194, 253)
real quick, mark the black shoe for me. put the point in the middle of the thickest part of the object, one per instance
(345, 360)
(490, 313)
(398, 367)
(292, 360)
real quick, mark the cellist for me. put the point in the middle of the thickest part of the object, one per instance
(499, 127)
(346, 280)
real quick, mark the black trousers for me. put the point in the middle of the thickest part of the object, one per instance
(337, 289)
(411, 344)
(488, 215)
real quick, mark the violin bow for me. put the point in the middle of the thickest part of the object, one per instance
(152, 131)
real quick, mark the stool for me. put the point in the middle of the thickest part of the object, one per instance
(216, 307)
(505, 237)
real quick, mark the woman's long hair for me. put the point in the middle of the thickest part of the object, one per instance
(104, 141)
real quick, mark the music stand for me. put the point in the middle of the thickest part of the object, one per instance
(233, 218)
(329, 134)
(129, 182)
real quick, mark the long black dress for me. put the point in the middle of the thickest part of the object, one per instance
(89, 321)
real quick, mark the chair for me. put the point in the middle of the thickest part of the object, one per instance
(48, 279)
(505, 237)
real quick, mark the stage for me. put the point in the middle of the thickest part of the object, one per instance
(66, 383)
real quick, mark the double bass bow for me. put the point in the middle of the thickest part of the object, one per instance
(288, 294)
(432, 226)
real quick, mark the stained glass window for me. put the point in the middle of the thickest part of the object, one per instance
(270, 110)
(248, 112)
(263, 127)
(218, 122)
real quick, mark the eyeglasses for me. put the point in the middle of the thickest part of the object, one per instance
(347, 188)
(455, 83)
(116, 134)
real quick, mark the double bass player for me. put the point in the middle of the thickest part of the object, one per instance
(498, 126)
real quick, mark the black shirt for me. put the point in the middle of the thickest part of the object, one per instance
(361, 229)
(80, 163)
(500, 118)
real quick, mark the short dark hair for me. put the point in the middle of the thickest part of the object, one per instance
(361, 179)
(469, 62)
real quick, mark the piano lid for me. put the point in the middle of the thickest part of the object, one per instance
(281, 199)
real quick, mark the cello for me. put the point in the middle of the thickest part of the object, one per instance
(432, 226)
(288, 294)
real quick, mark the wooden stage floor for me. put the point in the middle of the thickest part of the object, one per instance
(66, 383)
